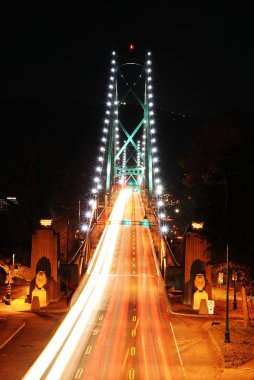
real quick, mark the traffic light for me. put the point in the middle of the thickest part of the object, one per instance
(126, 222)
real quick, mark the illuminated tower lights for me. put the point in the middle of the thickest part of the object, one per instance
(156, 179)
(110, 104)
(122, 180)
(97, 183)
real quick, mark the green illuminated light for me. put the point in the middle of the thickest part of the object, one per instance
(127, 222)
(144, 222)
(133, 183)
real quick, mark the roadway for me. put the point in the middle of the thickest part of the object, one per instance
(120, 327)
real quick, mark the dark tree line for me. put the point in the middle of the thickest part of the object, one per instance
(217, 171)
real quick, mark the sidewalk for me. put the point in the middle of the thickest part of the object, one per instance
(12, 316)
(243, 372)
(219, 297)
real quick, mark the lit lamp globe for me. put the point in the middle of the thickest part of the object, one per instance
(46, 222)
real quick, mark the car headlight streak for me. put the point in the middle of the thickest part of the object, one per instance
(62, 345)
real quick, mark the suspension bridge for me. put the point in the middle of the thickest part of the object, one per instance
(118, 325)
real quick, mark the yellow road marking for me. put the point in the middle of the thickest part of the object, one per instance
(95, 331)
(125, 359)
(133, 351)
(136, 325)
(134, 318)
(133, 332)
(88, 350)
(131, 374)
(79, 373)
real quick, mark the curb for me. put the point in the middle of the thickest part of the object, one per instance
(171, 311)
(49, 311)
(12, 335)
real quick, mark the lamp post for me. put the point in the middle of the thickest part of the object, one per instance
(13, 259)
(234, 278)
(227, 335)
(67, 257)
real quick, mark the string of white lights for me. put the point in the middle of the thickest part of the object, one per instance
(158, 187)
(97, 185)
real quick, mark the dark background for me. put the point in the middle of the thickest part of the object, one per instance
(203, 57)
(55, 66)
(54, 77)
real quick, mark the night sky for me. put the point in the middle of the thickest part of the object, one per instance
(203, 63)
(203, 59)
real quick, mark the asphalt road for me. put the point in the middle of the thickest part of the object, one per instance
(130, 334)
(131, 337)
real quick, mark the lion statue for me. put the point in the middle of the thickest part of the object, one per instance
(41, 279)
(199, 282)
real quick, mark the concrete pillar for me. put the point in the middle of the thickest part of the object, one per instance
(45, 256)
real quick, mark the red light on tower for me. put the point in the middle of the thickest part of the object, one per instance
(131, 47)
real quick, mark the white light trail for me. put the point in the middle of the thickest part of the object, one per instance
(62, 345)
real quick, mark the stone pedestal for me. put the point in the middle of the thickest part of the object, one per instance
(198, 296)
(195, 251)
(45, 257)
(42, 296)
(203, 308)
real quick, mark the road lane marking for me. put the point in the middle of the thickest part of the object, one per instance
(88, 350)
(101, 317)
(133, 332)
(136, 326)
(134, 318)
(133, 351)
(78, 373)
(125, 359)
(131, 374)
(95, 331)
(178, 351)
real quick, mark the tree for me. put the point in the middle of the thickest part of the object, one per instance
(218, 164)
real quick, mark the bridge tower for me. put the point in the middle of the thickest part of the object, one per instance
(129, 122)
(128, 153)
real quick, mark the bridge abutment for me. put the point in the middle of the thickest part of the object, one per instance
(195, 262)
(45, 256)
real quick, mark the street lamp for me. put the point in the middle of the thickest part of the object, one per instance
(227, 337)
(67, 257)
(234, 278)
(13, 260)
